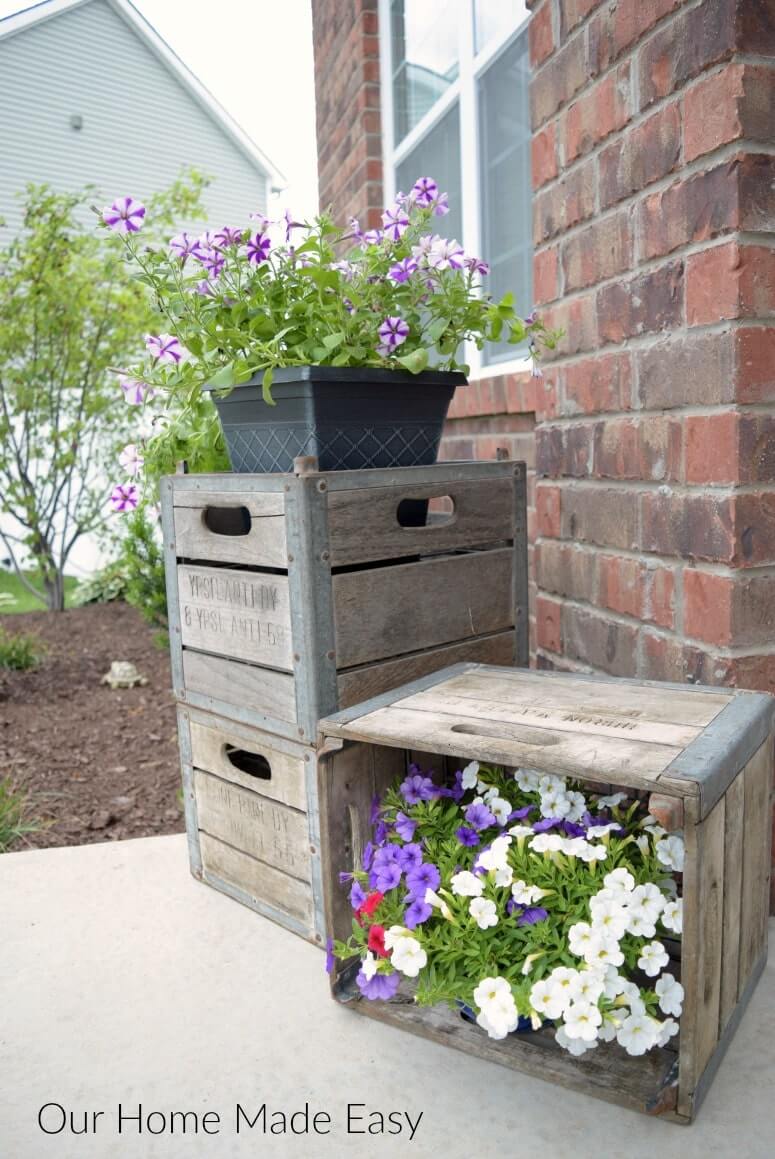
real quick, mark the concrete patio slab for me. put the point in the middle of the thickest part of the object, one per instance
(125, 982)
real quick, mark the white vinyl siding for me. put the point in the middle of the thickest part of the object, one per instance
(140, 124)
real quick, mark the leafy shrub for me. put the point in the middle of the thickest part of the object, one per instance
(20, 651)
(104, 587)
(142, 567)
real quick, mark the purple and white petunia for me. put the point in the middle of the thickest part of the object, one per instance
(131, 459)
(183, 245)
(424, 192)
(263, 221)
(382, 986)
(165, 348)
(396, 222)
(441, 205)
(205, 288)
(258, 248)
(136, 392)
(125, 215)
(290, 225)
(476, 266)
(393, 332)
(213, 261)
(124, 497)
(446, 255)
(403, 270)
(227, 236)
(372, 237)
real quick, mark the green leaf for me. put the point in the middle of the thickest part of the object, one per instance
(223, 378)
(436, 329)
(266, 386)
(331, 341)
(416, 361)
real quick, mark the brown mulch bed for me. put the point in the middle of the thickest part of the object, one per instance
(97, 764)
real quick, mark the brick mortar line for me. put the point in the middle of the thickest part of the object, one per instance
(649, 486)
(723, 651)
(663, 562)
(756, 409)
(708, 161)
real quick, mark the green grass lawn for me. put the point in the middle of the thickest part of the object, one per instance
(24, 601)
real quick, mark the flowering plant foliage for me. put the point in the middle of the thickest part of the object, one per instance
(246, 299)
(522, 896)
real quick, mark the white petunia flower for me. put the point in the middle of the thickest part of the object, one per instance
(586, 986)
(564, 978)
(547, 998)
(649, 898)
(594, 853)
(554, 804)
(432, 898)
(495, 1026)
(667, 1029)
(547, 843)
(470, 775)
(672, 915)
(466, 884)
(611, 980)
(602, 830)
(578, 806)
(653, 957)
(631, 996)
(408, 956)
(609, 1027)
(483, 911)
(638, 1033)
(574, 846)
(521, 831)
(496, 856)
(580, 938)
(525, 894)
(639, 922)
(394, 935)
(369, 965)
(643, 844)
(550, 783)
(612, 800)
(500, 808)
(527, 779)
(671, 995)
(504, 875)
(603, 952)
(619, 881)
(489, 794)
(527, 965)
(574, 1046)
(489, 989)
(609, 917)
(581, 1020)
(670, 851)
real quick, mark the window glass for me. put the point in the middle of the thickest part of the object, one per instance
(494, 20)
(437, 155)
(424, 38)
(505, 189)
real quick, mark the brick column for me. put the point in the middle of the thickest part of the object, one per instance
(346, 44)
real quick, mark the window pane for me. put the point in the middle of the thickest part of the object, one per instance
(425, 57)
(438, 156)
(495, 19)
(504, 143)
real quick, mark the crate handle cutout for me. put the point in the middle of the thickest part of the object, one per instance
(411, 514)
(247, 762)
(227, 520)
(527, 736)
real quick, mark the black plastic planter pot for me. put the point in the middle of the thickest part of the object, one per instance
(349, 418)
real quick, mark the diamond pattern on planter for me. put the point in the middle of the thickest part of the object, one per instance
(267, 449)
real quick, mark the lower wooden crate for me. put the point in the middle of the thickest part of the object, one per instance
(704, 756)
(251, 818)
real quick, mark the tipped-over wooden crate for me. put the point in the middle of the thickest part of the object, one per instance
(293, 595)
(704, 755)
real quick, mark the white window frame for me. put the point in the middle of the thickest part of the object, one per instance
(471, 65)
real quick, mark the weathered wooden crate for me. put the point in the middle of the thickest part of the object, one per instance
(704, 755)
(293, 595)
(251, 818)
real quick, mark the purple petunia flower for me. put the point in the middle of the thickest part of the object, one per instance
(124, 497)
(422, 877)
(205, 288)
(135, 390)
(385, 877)
(479, 816)
(417, 912)
(532, 914)
(467, 836)
(403, 270)
(381, 831)
(357, 895)
(424, 192)
(258, 248)
(263, 221)
(418, 788)
(372, 237)
(227, 236)
(368, 855)
(355, 228)
(382, 986)
(405, 826)
(183, 245)
(344, 877)
(547, 823)
(374, 810)
(476, 266)
(213, 261)
(520, 814)
(329, 955)
(165, 348)
(290, 224)
(571, 829)
(395, 221)
(441, 206)
(385, 855)
(125, 215)
(409, 856)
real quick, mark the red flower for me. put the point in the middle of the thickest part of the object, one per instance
(369, 906)
(376, 942)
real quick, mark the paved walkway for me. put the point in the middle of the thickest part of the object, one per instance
(123, 981)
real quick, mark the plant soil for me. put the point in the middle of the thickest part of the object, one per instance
(98, 764)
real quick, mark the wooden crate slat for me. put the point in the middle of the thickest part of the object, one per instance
(686, 708)
(279, 896)
(263, 545)
(734, 813)
(636, 764)
(484, 512)
(265, 692)
(757, 778)
(262, 504)
(270, 832)
(236, 613)
(358, 684)
(579, 721)
(421, 605)
(287, 781)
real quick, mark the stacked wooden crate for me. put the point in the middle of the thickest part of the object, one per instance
(291, 596)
